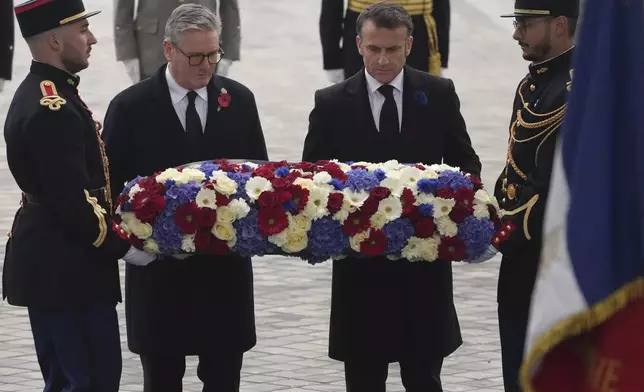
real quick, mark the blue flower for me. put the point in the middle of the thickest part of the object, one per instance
(397, 232)
(337, 184)
(290, 206)
(183, 193)
(131, 184)
(361, 180)
(250, 241)
(426, 210)
(167, 234)
(207, 168)
(240, 179)
(476, 233)
(380, 174)
(454, 180)
(282, 172)
(326, 238)
(428, 185)
(421, 98)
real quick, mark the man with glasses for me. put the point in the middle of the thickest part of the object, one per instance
(544, 29)
(201, 305)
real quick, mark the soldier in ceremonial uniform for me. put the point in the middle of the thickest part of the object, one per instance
(430, 51)
(61, 260)
(545, 31)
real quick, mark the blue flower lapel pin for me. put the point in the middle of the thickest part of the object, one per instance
(421, 98)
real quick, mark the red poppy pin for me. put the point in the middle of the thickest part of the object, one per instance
(223, 100)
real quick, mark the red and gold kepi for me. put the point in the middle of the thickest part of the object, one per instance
(37, 16)
(541, 8)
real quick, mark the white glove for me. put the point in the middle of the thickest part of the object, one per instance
(1, 85)
(490, 252)
(223, 67)
(133, 69)
(138, 257)
(335, 75)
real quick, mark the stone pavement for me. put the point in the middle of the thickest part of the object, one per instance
(281, 63)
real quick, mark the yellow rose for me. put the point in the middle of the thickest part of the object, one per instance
(140, 229)
(151, 246)
(296, 241)
(224, 231)
(299, 222)
(225, 215)
(225, 185)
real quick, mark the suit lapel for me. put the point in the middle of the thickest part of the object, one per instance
(214, 118)
(173, 124)
(359, 98)
(412, 102)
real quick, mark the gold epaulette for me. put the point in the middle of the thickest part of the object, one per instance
(50, 97)
(414, 8)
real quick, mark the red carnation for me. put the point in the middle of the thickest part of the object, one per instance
(264, 171)
(375, 244)
(203, 239)
(151, 185)
(300, 197)
(222, 200)
(292, 176)
(445, 193)
(187, 217)
(229, 167)
(425, 228)
(334, 171)
(281, 183)
(370, 206)
(464, 196)
(356, 222)
(407, 197)
(451, 249)
(147, 206)
(268, 199)
(380, 192)
(476, 182)
(419, 166)
(335, 202)
(272, 221)
(218, 246)
(460, 212)
(305, 166)
(208, 218)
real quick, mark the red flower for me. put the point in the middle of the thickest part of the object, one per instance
(460, 212)
(121, 199)
(268, 199)
(370, 206)
(300, 197)
(445, 193)
(380, 192)
(208, 218)
(464, 196)
(425, 228)
(335, 202)
(229, 167)
(222, 200)
(187, 217)
(265, 171)
(375, 244)
(412, 213)
(407, 197)
(147, 206)
(281, 183)
(218, 246)
(203, 239)
(151, 185)
(356, 222)
(476, 182)
(419, 166)
(305, 166)
(292, 176)
(272, 221)
(224, 100)
(451, 249)
(334, 171)
(283, 196)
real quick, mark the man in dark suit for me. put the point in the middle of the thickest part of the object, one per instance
(202, 305)
(431, 20)
(6, 42)
(61, 260)
(386, 311)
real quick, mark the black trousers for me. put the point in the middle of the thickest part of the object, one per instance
(417, 376)
(78, 349)
(219, 373)
(513, 325)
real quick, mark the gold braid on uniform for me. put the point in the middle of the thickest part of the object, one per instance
(414, 8)
(550, 122)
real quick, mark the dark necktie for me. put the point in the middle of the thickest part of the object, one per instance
(389, 123)
(193, 125)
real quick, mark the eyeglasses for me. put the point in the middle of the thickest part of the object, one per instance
(197, 59)
(523, 24)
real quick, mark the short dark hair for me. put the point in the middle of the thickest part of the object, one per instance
(385, 15)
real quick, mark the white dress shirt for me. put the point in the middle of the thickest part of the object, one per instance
(179, 98)
(376, 99)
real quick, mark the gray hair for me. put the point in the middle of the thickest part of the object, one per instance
(190, 17)
(385, 15)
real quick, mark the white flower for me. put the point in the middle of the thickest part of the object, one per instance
(151, 246)
(391, 208)
(481, 211)
(168, 174)
(446, 226)
(134, 190)
(299, 222)
(239, 207)
(393, 184)
(256, 185)
(344, 211)
(357, 239)
(424, 198)
(128, 217)
(223, 231)
(188, 243)
(322, 178)
(140, 229)
(225, 215)
(378, 220)
(193, 175)
(444, 167)
(442, 207)
(420, 249)
(316, 205)
(356, 199)
(410, 175)
(296, 241)
(252, 165)
(429, 173)
(206, 198)
(482, 197)
(225, 185)
(304, 183)
(279, 239)
(391, 165)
